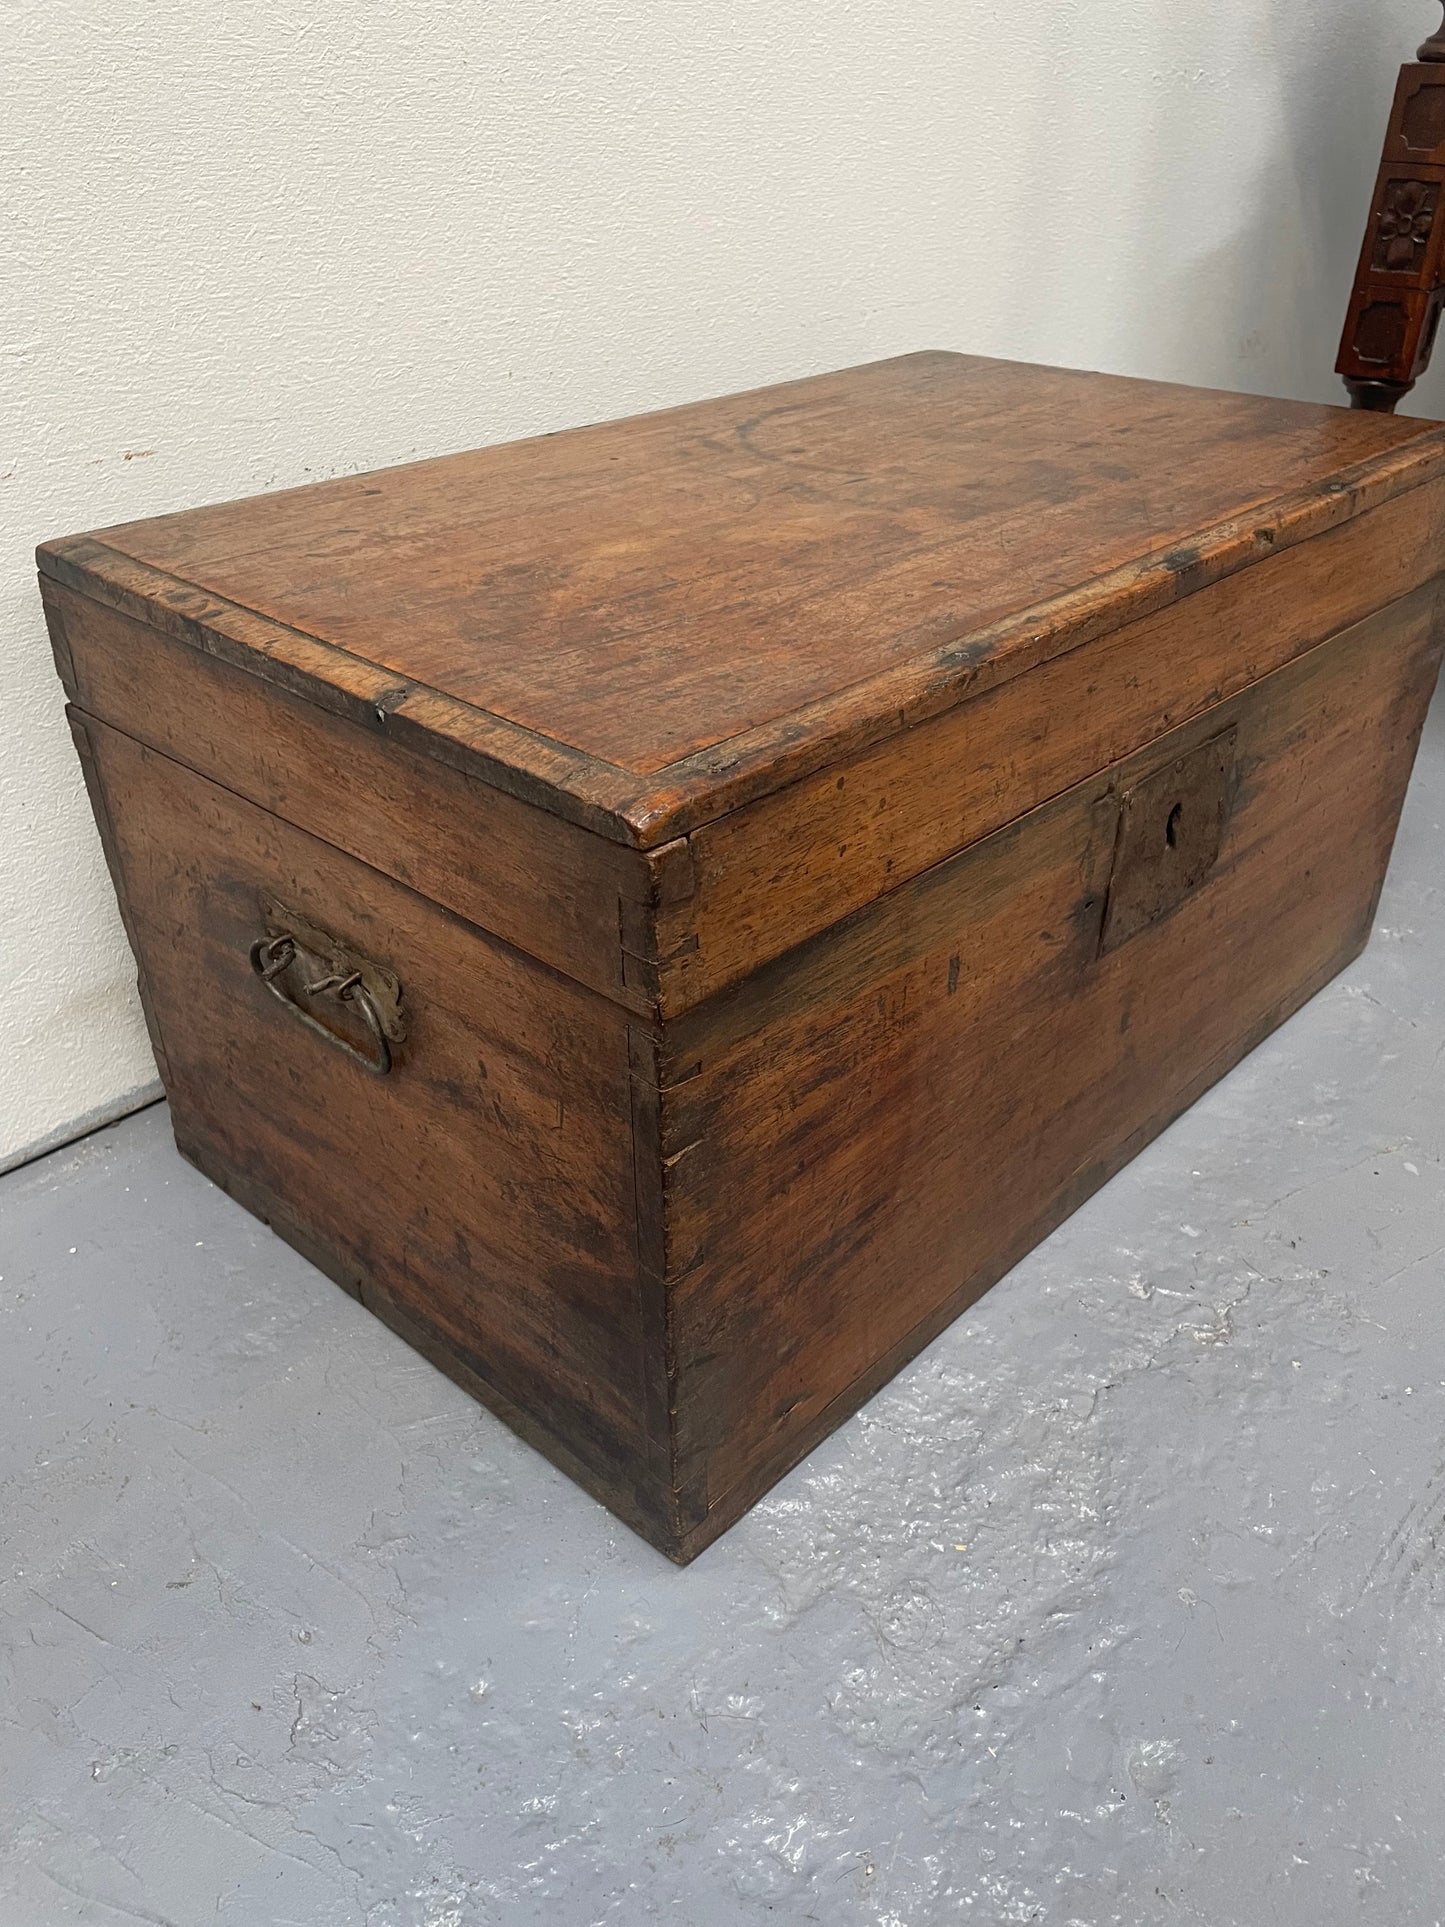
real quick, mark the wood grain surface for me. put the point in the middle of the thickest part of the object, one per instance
(769, 875)
(902, 1106)
(537, 880)
(483, 1194)
(642, 623)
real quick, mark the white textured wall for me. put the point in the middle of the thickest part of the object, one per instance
(249, 245)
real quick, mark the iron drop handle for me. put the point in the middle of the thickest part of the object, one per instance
(272, 957)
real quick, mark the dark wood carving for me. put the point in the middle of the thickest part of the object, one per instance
(1399, 286)
(1407, 216)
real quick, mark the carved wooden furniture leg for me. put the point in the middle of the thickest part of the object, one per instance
(1400, 281)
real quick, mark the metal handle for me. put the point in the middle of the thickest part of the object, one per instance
(271, 957)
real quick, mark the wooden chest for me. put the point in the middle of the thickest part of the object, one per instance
(668, 913)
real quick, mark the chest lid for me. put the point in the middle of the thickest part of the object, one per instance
(643, 624)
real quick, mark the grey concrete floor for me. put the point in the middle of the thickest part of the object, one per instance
(1123, 1604)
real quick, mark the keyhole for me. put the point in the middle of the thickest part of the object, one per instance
(1171, 828)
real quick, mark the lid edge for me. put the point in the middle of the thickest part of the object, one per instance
(625, 807)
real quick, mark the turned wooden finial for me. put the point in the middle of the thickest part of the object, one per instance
(1434, 47)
